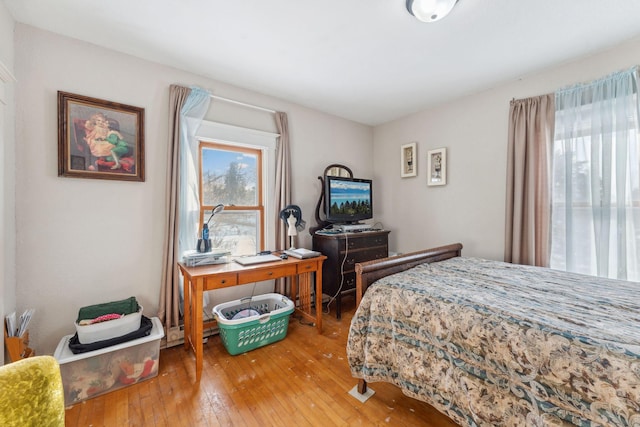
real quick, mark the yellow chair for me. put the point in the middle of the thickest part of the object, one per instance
(31, 393)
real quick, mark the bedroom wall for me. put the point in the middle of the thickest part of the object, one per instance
(7, 170)
(84, 241)
(471, 208)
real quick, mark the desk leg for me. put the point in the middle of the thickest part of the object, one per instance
(318, 277)
(186, 288)
(294, 291)
(302, 288)
(197, 330)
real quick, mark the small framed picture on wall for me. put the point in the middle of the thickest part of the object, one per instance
(437, 166)
(408, 160)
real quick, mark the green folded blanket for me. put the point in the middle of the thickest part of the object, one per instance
(125, 306)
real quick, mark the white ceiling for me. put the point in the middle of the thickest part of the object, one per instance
(364, 60)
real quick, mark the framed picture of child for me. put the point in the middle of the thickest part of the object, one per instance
(99, 139)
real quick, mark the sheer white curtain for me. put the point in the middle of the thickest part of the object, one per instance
(191, 117)
(596, 178)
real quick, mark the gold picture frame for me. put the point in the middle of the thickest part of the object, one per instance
(437, 167)
(99, 139)
(408, 160)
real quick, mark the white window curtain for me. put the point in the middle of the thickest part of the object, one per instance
(191, 117)
(596, 179)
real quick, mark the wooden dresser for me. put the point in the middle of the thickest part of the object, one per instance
(339, 279)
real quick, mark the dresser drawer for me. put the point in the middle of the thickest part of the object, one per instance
(331, 287)
(221, 281)
(349, 282)
(365, 242)
(268, 273)
(364, 255)
(377, 253)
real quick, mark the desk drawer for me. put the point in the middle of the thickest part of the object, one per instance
(220, 281)
(307, 266)
(268, 273)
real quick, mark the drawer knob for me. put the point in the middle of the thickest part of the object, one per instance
(223, 281)
(271, 273)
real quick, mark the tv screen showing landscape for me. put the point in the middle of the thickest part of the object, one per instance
(349, 199)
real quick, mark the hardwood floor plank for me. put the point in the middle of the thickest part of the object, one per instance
(302, 380)
(110, 403)
(266, 406)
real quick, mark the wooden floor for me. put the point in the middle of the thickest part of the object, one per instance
(302, 380)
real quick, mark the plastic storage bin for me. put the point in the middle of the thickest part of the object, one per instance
(88, 334)
(91, 374)
(267, 326)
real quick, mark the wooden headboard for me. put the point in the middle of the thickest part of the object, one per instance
(370, 271)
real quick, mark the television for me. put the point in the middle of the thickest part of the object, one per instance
(348, 200)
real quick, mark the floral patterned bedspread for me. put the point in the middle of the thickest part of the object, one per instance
(497, 344)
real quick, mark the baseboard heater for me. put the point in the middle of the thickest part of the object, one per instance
(175, 335)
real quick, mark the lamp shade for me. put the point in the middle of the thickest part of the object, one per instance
(430, 10)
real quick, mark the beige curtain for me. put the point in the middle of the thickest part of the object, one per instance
(528, 210)
(283, 186)
(283, 179)
(168, 311)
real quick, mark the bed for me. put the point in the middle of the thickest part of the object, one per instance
(492, 343)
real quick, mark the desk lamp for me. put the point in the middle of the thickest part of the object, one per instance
(204, 242)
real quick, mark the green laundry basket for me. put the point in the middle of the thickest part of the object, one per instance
(267, 324)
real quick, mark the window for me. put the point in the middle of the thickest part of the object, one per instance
(232, 175)
(242, 227)
(595, 217)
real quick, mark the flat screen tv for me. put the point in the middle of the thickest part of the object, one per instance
(348, 200)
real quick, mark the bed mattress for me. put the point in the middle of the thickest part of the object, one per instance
(492, 343)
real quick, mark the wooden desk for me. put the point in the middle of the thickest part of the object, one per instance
(209, 277)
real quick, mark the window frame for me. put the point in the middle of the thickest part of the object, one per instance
(259, 208)
(237, 136)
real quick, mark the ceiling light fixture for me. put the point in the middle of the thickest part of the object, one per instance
(430, 10)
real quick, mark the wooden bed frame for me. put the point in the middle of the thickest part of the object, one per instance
(370, 271)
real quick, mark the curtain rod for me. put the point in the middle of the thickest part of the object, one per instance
(244, 104)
